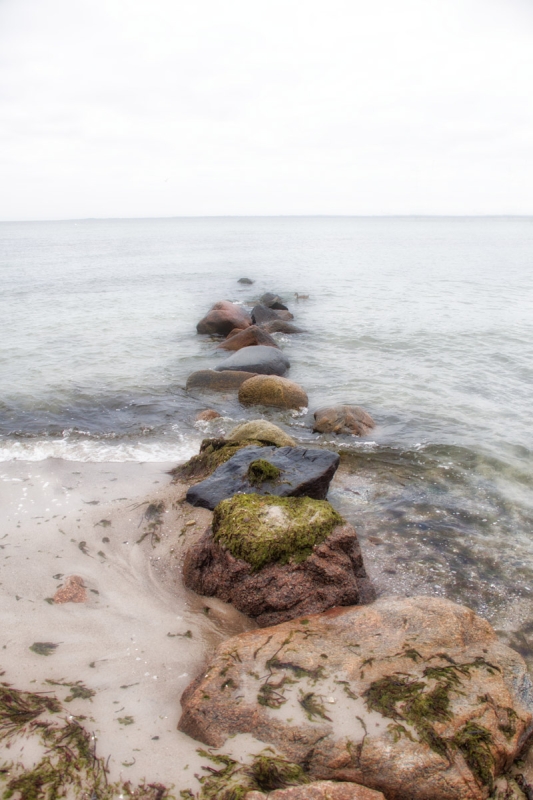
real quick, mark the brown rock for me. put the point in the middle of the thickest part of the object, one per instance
(272, 390)
(261, 314)
(72, 591)
(223, 317)
(343, 419)
(414, 697)
(321, 790)
(207, 415)
(334, 575)
(264, 431)
(280, 326)
(213, 381)
(247, 338)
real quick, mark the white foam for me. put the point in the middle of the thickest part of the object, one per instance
(98, 450)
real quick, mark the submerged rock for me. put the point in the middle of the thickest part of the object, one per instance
(207, 415)
(246, 281)
(320, 790)
(271, 300)
(271, 390)
(412, 697)
(259, 359)
(249, 337)
(276, 558)
(262, 430)
(343, 419)
(261, 314)
(209, 380)
(280, 326)
(302, 472)
(223, 317)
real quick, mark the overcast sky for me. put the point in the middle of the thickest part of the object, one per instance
(146, 108)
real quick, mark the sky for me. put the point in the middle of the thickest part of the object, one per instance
(137, 108)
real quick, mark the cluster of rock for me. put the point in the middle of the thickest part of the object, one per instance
(354, 699)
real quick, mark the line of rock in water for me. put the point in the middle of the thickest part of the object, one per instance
(401, 698)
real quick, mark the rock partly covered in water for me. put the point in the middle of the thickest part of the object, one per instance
(276, 558)
(280, 326)
(271, 390)
(412, 697)
(213, 453)
(261, 314)
(207, 415)
(246, 281)
(211, 381)
(320, 790)
(262, 430)
(260, 359)
(247, 338)
(286, 472)
(271, 300)
(223, 317)
(343, 419)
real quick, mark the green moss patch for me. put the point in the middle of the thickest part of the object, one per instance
(213, 453)
(262, 471)
(422, 702)
(262, 529)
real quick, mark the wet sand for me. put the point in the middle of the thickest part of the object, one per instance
(139, 638)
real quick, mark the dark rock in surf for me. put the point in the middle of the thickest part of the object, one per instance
(271, 300)
(246, 281)
(223, 317)
(209, 380)
(343, 419)
(280, 326)
(303, 472)
(259, 359)
(250, 337)
(261, 314)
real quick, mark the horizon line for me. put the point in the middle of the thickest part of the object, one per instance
(274, 216)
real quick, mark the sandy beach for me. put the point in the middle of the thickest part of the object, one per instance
(139, 638)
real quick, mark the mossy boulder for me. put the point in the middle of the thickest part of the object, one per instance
(414, 697)
(213, 453)
(278, 558)
(271, 390)
(262, 430)
(262, 530)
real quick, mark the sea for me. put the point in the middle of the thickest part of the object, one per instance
(425, 322)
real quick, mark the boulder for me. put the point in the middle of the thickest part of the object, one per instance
(320, 790)
(246, 281)
(223, 317)
(213, 453)
(271, 300)
(280, 326)
(278, 558)
(343, 419)
(207, 415)
(209, 380)
(300, 471)
(249, 337)
(414, 697)
(262, 430)
(271, 390)
(259, 359)
(261, 314)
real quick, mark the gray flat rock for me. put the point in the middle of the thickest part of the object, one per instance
(304, 472)
(259, 358)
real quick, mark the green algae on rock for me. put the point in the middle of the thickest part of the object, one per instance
(213, 453)
(261, 471)
(261, 529)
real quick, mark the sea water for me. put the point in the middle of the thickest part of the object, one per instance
(425, 322)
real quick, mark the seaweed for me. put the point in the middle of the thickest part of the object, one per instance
(313, 706)
(77, 690)
(213, 453)
(262, 471)
(43, 648)
(474, 742)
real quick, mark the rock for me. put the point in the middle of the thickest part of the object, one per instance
(207, 415)
(209, 380)
(223, 317)
(258, 359)
(320, 790)
(247, 281)
(72, 591)
(271, 300)
(302, 472)
(276, 558)
(343, 419)
(249, 337)
(262, 430)
(271, 390)
(261, 314)
(213, 453)
(414, 697)
(280, 326)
